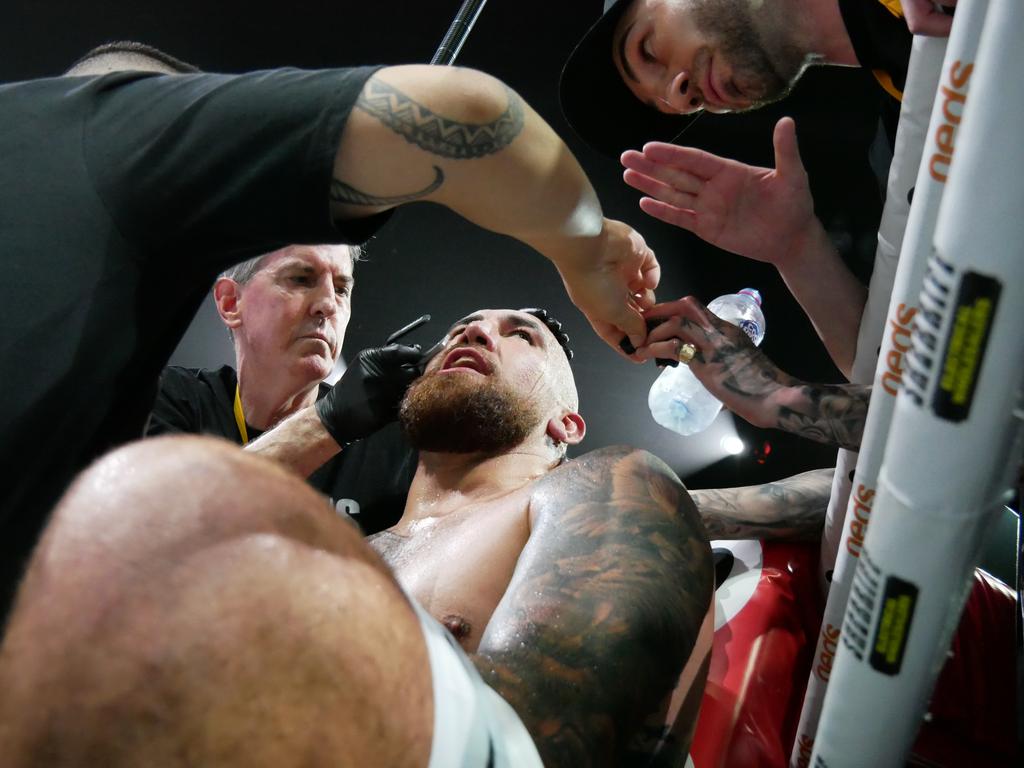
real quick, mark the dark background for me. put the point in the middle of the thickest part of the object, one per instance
(428, 260)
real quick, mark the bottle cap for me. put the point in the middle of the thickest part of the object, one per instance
(753, 293)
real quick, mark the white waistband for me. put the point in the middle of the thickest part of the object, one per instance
(473, 726)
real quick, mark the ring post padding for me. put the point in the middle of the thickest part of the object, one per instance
(891, 334)
(955, 434)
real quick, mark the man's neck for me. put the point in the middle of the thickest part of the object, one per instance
(446, 482)
(829, 38)
(269, 398)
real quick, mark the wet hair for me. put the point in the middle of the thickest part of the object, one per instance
(553, 325)
(132, 48)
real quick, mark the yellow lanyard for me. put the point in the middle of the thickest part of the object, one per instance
(240, 417)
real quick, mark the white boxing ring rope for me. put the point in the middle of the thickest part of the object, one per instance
(955, 436)
(936, 89)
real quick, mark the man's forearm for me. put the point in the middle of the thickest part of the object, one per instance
(300, 443)
(834, 414)
(791, 509)
(755, 389)
(829, 293)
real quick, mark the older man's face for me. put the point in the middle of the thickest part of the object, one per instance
(680, 56)
(296, 308)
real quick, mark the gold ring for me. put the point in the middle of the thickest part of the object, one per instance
(686, 353)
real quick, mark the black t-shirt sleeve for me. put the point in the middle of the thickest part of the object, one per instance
(176, 408)
(224, 164)
(195, 401)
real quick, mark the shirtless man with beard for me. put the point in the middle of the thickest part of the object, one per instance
(190, 604)
(568, 565)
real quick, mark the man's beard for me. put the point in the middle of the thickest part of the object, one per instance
(455, 413)
(765, 70)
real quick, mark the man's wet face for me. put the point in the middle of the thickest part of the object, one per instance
(485, 391)
(719, 55)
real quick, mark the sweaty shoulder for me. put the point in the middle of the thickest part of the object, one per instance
(621, 474)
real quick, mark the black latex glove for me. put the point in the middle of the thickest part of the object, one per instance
(367, 396)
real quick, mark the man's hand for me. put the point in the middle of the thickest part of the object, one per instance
(749, 384)
(926, 17)
(612, 283)
(761, 213)
(726, 362)
(367, 396)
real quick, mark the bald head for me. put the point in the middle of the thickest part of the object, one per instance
(502, 380)
(128, 56)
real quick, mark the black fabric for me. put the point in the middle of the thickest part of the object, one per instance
(880, 39)
(374, 473)
(121, 198)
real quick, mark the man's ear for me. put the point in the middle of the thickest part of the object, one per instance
(226, 293)
(569, 428)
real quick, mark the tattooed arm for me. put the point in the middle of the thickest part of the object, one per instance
(600, 622)
(464, 140)
(750, 385)
(791, 509)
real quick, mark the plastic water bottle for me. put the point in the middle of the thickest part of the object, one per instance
(678, 401)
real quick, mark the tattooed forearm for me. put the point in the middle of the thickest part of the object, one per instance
(436, 134)
(603, 612)
(754, 388)
(827, 413)
(792, 509)
(346, 193)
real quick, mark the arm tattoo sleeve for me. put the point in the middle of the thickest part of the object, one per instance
(346, 193)
(603, 613)
(436, 134)
(792, 509)
(828, 413)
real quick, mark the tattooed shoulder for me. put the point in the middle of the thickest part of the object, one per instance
(617, 560)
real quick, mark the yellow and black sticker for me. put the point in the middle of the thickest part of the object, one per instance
(973, 313)
(899, 599)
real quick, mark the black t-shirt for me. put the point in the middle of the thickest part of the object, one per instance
(368, 480)
(121, 198)
(880, 39)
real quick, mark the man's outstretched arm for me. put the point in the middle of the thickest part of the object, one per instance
(602, 616)
(791, 509)
(463, 139)
(752, 386)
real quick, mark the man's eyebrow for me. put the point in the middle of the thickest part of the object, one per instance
(622, 55)
(295, 264)
(519, 321)
(464, 321)
(516, 321)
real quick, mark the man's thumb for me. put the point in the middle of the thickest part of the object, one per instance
(787, 155)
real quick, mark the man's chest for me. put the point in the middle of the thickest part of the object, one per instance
(458, 568)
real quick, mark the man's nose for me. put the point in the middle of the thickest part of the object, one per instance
(325, 301)
(479, 332)
(682, 95)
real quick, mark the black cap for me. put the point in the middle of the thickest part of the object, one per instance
(599, 106)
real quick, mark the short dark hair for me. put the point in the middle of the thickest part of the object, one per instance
(133, 48)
